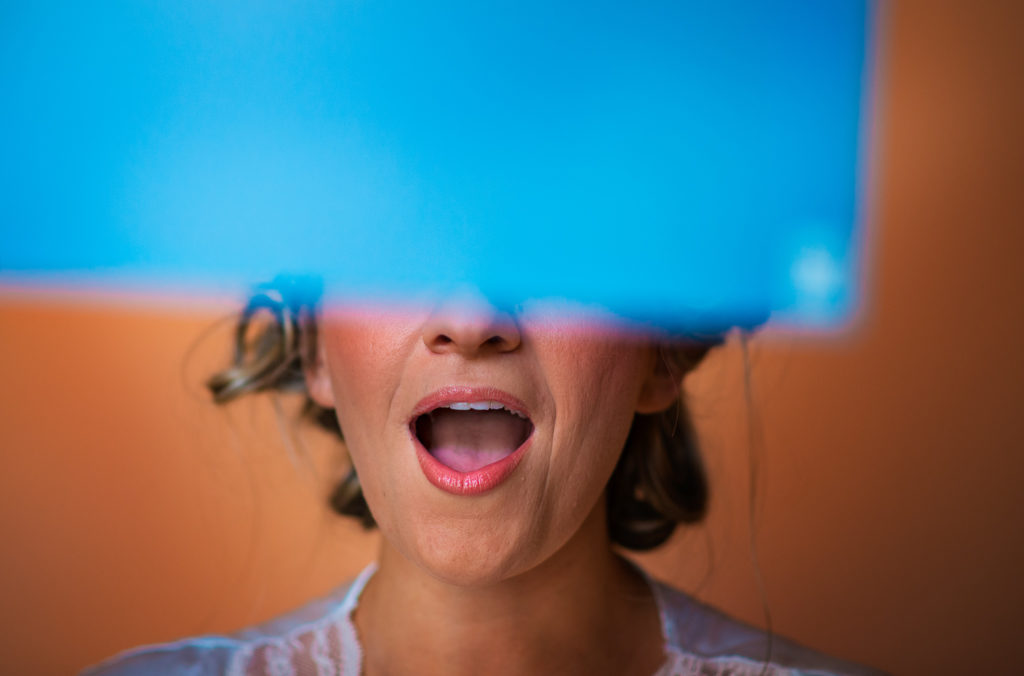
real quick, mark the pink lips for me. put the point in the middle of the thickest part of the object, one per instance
(480, 480)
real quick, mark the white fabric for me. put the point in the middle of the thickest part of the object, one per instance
(320, 640)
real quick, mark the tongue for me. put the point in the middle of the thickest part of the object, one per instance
(469, 440)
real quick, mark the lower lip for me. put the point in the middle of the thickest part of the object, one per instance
(468, 483)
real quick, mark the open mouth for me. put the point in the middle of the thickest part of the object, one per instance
(469, 436)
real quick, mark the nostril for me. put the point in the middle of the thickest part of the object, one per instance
(470, 326)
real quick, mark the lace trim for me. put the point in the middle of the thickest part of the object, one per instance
(327, 646)
(680, 663)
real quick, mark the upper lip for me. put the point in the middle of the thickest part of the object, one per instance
(452, 394)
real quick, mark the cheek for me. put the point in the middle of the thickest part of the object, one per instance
(364, 356)
(595, 384)
(594, 380)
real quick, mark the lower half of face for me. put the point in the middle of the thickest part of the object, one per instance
(579, 388)
(483, 538)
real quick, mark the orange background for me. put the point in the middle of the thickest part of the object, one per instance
(890, 511)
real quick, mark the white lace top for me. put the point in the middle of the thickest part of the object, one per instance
(320, 639)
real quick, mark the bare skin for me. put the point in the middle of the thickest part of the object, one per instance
(583, 611)
(520, 579)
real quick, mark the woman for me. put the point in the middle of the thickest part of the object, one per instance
(502, 455)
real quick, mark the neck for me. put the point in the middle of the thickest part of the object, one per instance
(583, 610)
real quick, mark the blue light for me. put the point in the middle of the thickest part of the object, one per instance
(655, 158)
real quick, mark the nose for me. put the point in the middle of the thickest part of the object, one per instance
(470, 325)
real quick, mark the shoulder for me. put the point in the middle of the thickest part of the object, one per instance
(318, 632)
(699, 636)
(199, 656)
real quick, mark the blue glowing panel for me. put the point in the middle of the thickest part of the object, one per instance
(666, 160)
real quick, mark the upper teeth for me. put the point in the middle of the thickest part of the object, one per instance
(480, 406)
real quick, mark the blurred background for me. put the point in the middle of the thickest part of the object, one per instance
(889, 515)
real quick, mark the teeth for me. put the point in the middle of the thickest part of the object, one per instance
(482, 406)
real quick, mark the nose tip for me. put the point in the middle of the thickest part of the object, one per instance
(470, 325)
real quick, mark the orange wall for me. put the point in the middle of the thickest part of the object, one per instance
(890, 518)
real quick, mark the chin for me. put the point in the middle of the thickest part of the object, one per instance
(475, 555)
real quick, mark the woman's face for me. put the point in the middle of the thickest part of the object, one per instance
(476, 496)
